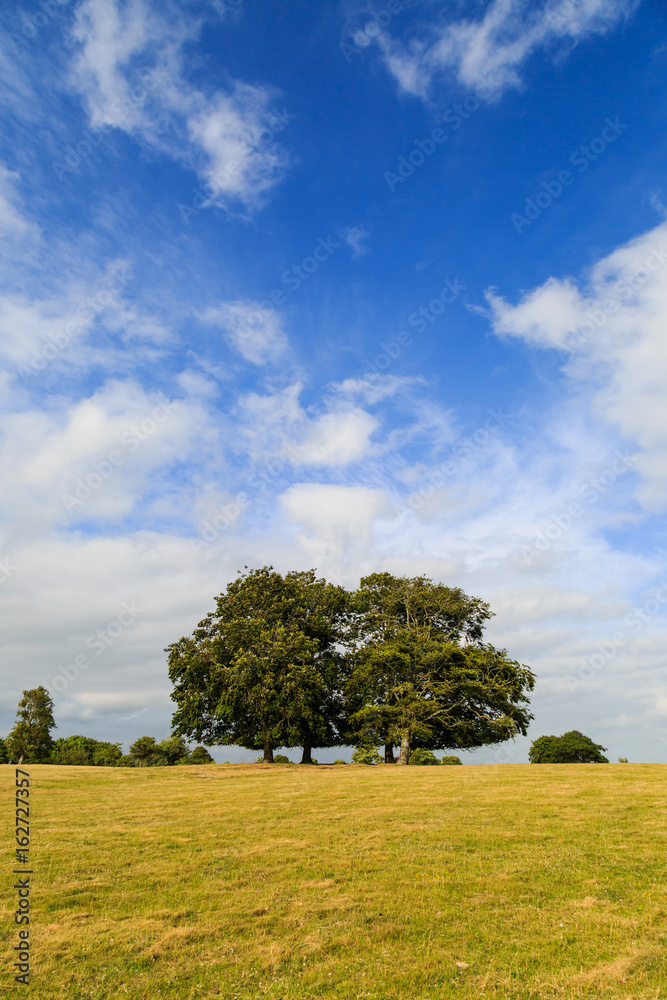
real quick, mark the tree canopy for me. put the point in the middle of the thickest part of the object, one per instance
(570, 748)
(421, 675)
(295, 661)
(263, 669)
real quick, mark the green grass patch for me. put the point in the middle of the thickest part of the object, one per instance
(247, 881)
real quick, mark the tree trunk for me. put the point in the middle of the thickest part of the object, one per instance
(404, 755)
(389, 753)
(306, 757)
(268, 751)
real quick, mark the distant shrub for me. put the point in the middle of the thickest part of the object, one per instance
(200, 755)
(280, 758)
(451, 760)
(420, 756)
(365, 754)
(4, 758)
(570, 748)
(622, 760)
(339, 761)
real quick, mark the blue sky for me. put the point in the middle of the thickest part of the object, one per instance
(343, 286)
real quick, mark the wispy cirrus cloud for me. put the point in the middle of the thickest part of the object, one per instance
(493, 49)
(129, 69)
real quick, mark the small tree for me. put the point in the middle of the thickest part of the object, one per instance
(200, 755)
(173, 751)
(4, 758)
(366, 754)
(145, 751)
(31, 736)
(451, 760)
(107, 754)
(570, 748)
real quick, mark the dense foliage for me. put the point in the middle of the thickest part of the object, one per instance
(295, 661)
(30, 739)
(571, 748)
(263, 670)
(84, 750)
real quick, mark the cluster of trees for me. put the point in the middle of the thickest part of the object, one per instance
(294, 661)
(30, 741)
(570, 748)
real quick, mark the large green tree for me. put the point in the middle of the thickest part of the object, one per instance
(30, 738)
(421, 675)
(570, 748)
(263, 670)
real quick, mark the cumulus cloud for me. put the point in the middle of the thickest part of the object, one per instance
(337, 438)
(612, 327)
(129, 70)
(490, 51)
(96, 461)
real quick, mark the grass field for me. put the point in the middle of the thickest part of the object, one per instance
(241, 881)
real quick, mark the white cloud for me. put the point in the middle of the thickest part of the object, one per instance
(130, 71)
(235, 132)
(354, 236)
(97, 460)
(337, 438)
(256, 334)
(375, 388)
(491, 51)
(613, 330)
(109, 38)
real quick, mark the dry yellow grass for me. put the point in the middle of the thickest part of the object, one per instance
(345, 882)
